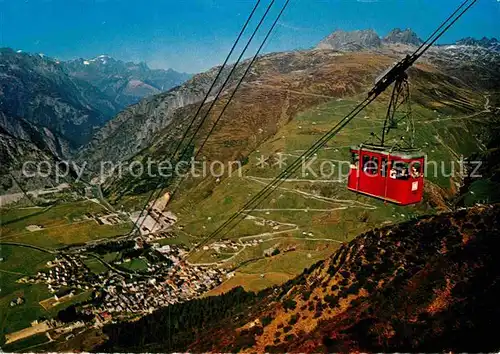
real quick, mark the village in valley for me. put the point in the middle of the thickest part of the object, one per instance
(113, 279)
(94, 264)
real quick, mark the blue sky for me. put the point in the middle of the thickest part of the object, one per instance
(194, 35)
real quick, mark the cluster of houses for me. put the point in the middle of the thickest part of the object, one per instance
(124, 295)
(168, 280)
(17, 301)
(65, 272)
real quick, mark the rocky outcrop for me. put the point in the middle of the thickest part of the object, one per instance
(351, 41)
(427, 285)
(406, 36)
(488, 43)
(45, 114)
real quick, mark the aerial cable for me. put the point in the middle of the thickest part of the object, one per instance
(267, 190)
(447, 27)
(243, 77)
(228, 78)
(186, 147)
(221, 69)
(442, 25)
(252, 62)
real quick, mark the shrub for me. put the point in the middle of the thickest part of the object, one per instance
(289, 304)
(345, 274)
(331, 300)
(266, 320)
(293, 319)
(306, 295)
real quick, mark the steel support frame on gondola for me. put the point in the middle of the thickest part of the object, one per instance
(391, 173)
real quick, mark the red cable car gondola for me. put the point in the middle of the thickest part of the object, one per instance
(391, 173)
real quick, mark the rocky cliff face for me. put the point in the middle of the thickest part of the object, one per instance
(74, 98)
(40, 137)
(461, 59)
(44, 113)
(54, 107)
(134, 128)
(403, 36)
(351, 41)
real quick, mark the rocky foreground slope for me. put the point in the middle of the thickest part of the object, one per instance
(428, 285)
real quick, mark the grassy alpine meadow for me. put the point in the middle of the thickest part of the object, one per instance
(60, 224)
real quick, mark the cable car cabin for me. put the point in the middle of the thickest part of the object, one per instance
(396, 176)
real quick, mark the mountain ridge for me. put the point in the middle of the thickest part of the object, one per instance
(143, 126)
(56, 106)
(369, 39)
(125, 82)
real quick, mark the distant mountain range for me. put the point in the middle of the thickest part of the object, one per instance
(49, 108)
(37, 89)
(74, 98)
(61, 106)
(369, 39)
(490, 43)
(134, 128)
(125, 82)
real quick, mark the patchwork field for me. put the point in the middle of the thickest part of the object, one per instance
(18, 263)
(59, 225)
